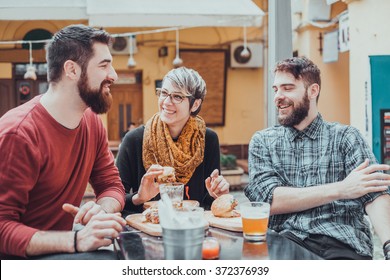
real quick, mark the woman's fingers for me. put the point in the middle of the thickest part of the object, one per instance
(224, 189)
(215, 173)
(216, 184)
(151, 174)
(219, 186)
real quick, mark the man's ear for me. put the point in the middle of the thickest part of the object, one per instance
(71, 69)
(196, 105)
(314, 91)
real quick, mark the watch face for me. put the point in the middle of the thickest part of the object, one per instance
(120, 43)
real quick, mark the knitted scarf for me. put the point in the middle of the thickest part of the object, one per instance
(184, 155)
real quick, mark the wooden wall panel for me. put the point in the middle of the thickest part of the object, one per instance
(211, 65)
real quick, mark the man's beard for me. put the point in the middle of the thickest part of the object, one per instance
(298, 114)
(96, 99)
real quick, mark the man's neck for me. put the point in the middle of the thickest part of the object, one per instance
(64, 105)
(306, 121)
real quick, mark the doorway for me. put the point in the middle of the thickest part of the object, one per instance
(127, 105)
(380, 88)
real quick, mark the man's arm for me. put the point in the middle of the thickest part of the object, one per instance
(379, 213)
(99, 231)
(45, 242)
(110, 205)
(362, 180)
(104, 177)
(266, 183)
(291, 199)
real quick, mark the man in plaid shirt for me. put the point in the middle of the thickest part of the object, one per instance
(320, 178)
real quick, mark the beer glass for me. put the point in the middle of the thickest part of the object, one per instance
(255, 217)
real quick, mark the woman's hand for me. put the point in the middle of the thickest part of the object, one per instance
(148, 187)
(216, 184)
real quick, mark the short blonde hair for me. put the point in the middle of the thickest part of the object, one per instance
(189, 81)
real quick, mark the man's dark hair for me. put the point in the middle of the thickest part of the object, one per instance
(301, 68)
(74, 42)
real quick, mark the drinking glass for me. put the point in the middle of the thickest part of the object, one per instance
(175, 192)
(255, 217)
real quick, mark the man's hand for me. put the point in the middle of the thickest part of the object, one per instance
(99, 231)
(71, 209)
(365, 179)
(84, 214)
(216, 184)
(100, 228)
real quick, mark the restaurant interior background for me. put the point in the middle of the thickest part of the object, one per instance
(208, 36)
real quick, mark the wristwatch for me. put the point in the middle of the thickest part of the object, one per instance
(386, 250)
(387, 253)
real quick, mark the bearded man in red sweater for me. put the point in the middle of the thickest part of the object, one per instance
(52, 146)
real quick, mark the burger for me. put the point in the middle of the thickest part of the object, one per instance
(223, 207)
(168, 175)
(151, 215)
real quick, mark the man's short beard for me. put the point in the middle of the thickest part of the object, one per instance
(98, 101)
(298, 114)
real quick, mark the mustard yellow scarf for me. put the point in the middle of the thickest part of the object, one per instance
(184, 155)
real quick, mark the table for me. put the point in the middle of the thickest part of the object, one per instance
(136, 245)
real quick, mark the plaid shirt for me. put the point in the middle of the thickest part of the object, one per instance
(323, 153)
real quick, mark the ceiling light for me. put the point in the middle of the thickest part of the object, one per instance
(131, 62)
(30, 73)
(177, 61)
(245, 52)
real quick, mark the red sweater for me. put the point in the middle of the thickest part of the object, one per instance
(44, 165)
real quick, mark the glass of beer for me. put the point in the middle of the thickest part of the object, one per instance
(255, 217)
(175, 192)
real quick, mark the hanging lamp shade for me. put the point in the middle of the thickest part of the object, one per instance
(177, 62)
(31, 71)
(131, 62)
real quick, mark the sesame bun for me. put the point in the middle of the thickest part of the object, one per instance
(224, 205)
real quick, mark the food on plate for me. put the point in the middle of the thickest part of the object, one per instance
(186, 203)
(168, 175)
(151, 215)
(224, 205)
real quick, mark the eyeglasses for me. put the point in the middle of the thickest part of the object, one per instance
(175, 97)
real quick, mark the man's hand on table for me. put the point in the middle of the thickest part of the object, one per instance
(99, 227)
(83, 214)
(99, 231)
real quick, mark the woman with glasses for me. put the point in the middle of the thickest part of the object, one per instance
(175, 136)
